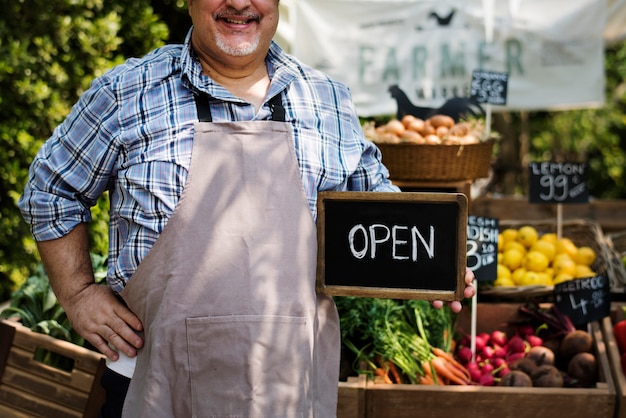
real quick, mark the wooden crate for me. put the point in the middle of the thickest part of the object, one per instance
(404, 401)
(29, 388)
(351, 399)
(609, 214)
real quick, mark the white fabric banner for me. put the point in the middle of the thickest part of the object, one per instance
(553, 51)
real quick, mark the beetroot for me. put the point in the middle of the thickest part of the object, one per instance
(516, 378)
(525, 365)
(575, 342)
(541, 355)
(584, 368)
(547, 376)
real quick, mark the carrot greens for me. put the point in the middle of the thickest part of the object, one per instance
(396, 334)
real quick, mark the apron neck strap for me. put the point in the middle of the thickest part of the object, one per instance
(204, 110)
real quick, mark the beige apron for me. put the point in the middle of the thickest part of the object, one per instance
(233, 326)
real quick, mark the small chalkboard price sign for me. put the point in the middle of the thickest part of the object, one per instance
(489, 87)
(552, 182)
(482, 247)
(584, 300)
(409, 245)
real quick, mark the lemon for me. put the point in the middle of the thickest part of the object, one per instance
(562, 278)
(514, 245)
(512, 259)
(527, 236)
(503, 281)
(536, 261)
(500, 242)
(531, 278)
(517, 275)
(585, 256)
(550, 237)
(564, 265)
(566, 246)
(503, 272)
(583, 271)
(508, 235)
(544, 279)
(545, 247)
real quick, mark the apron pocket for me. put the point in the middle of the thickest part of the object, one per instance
(249, 365)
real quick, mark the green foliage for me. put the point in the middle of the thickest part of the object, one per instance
(36, 307)
(597, 136)
(50, 50)
(400, 331)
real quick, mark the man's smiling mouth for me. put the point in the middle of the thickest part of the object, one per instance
(239, 21)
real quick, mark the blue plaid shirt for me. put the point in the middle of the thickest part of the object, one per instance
(131, 133)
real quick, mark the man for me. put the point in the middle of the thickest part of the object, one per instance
(218, 148)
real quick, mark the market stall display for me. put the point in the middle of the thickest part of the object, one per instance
(533, 258)
(379, 399)
(435, 149)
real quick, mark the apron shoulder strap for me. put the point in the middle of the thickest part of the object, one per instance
(277, 109)
(204, 110)
(202, 106)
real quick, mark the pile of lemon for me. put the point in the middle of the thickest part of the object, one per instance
(527, 258)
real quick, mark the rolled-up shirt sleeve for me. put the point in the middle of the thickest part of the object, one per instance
(73, 167)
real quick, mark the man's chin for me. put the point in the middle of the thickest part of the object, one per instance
(239, 49)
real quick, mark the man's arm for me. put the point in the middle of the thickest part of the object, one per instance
(93, 310)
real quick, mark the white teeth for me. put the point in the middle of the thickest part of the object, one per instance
(237, 22)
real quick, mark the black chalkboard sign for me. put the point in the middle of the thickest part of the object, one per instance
(482, 247)
(489, 87)
(551, 182)
(584, 300)
(408, 245)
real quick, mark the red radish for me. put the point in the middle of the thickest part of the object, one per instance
(498, 362)
(504, 371)
(464, 354)
(499, 352)
(516, 344)
(487, 368)
(482, 340)
(488, 352)
(525, 330)
(513, 357)
(474, 371)
(534, 340)
(487, 380)
(498, 338)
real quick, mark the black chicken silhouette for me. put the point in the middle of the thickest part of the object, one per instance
(456, 107)
(442, 20)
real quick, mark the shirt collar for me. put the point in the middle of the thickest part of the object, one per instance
(282, 69)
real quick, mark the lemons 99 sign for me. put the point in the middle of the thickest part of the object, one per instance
(552, 182)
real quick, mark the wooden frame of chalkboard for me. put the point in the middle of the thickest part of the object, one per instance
(409, 245)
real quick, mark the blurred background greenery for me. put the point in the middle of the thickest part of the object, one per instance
(50, 50)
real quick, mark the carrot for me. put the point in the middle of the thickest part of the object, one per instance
(382, 373)
(450, 359)
(426, 380)
(429, 373)
(394, 372)
(442, 369)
